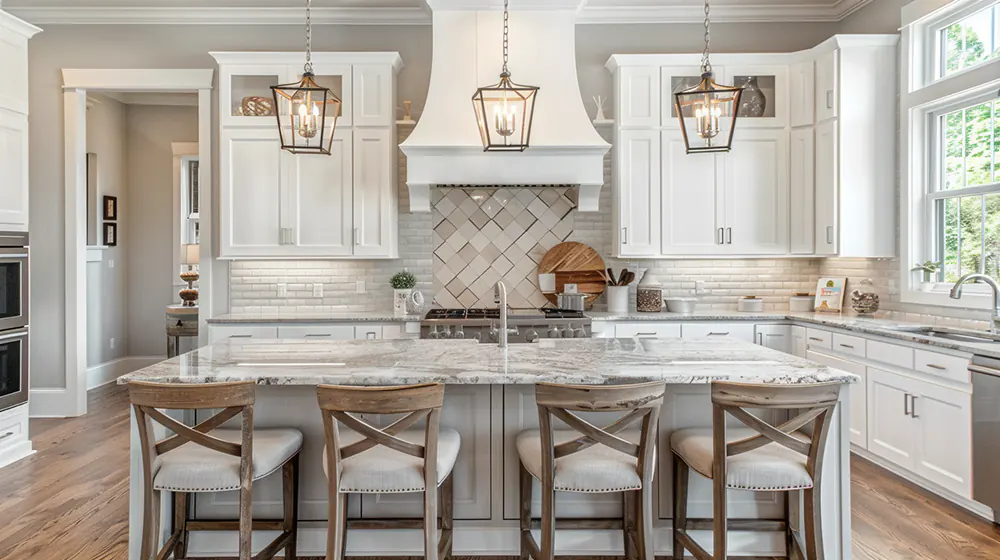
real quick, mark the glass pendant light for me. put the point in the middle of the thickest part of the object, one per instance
(505, 110)
(304, 107)
(712, 106)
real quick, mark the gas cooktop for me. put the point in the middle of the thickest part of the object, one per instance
(479, 313)
(528, 324)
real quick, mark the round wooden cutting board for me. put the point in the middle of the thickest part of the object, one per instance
(575, 263)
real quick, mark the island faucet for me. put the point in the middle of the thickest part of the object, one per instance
(956, 292)
(500, 296)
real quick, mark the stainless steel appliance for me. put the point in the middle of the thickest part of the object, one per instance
(13, 368)
(525, 325)
(986, 432)
(13, 280)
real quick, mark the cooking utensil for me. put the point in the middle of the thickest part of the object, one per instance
(622, 276)
(629, 278)
(611, 278)
(573, 302)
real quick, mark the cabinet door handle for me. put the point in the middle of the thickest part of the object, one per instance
(913, 406)
(370, 336)
(625, 236)
(645, 334)
(817, 339)
(729, 236)
(935, 366)
(718, 334)
(722, 236)
(760, 339)
(7, 435)
(357, 240)
(829, 99)
(847, 346)
(829, 235)
(906, 404)
(241, 336)
(317, 335)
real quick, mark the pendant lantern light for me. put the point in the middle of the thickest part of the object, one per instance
(712, 107)
(505, 110)
(307, 112)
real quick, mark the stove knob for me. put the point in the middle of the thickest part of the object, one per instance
(553, 332)
(531, 336)
(567, 332)
(580, 332)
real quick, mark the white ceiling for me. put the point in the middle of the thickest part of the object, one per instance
(405, 11)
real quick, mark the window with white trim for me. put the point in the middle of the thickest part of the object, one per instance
(190, 219)
(971, 40)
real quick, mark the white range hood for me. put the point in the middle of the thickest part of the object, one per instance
(444, 147)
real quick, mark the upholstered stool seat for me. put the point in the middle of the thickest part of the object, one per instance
(771, 467)
(595, 469)
(195, 468)
(383, 470)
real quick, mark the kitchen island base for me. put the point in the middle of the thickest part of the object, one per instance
(489, 417)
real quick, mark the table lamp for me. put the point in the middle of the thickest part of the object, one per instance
(190, 255)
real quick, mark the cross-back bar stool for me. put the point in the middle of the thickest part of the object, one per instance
(588, 458)
(207, 458)
(371, 460)
(761, 457)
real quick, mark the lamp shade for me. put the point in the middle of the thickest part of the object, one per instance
(707, 113)
(307, 115)
(190, 254)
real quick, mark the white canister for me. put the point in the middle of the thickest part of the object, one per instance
(801, 303)
(751, 305)
(617, 299)
(547, 283)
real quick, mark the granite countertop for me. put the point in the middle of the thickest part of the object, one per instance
(313, 317)
(396, 362)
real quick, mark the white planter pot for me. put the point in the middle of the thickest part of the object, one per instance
(926, 286)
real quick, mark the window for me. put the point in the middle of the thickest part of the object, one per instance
(190, 226)
(969, 41)
(965, 199)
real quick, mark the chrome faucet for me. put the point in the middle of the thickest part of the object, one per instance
(500, 296)
(956, 292)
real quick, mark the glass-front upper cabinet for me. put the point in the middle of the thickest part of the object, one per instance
(674, 79)
(337, 77)
(246, 97)
(764, 102)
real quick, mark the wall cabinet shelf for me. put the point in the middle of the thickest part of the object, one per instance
(789, 186)
(278, 205)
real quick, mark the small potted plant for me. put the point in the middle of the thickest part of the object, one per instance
(928, 269)
(403, 295)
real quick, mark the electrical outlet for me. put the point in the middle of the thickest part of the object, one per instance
(112, 343)
(361, 287)
(699, 287)
(317, 290)
(111, 263)
(282, 289)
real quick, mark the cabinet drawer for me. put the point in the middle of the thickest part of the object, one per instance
(816, 338)
(13, 426)
(735, 330)
(892, 354)
(849, 344)
(942, 365)
(217, 334)
(647, 330)
(330, 332)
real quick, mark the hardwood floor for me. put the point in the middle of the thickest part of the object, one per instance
(70, 500)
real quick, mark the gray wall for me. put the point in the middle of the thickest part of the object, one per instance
(106, 286)
(878, 16)
(149, 225)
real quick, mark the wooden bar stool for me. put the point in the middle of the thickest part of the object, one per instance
(371, 460)
(590, 459)
(206, 458)
(760, 458)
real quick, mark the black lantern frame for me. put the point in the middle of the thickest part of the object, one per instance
(709, 105)
(306, 105)
(512, 107)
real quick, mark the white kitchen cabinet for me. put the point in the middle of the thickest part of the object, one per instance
(13, 170)
(317, 332)
(756, 192)
(692, 210)
(278, 205)
(677, 78)
(602, 329)
(944, 437)
(799, 341)
(860, 395)
(891, 431)
(802, 191)
(638, 89)
(638, 193)
(826, 180)
(776, 337)
(742, 331)
(647, 329)
(772, 81)
(375, 210)
(252, 172)
(827, 85)
(241, 333)
(802, 92)
(321, 201)
(14, 36)
(368, 332)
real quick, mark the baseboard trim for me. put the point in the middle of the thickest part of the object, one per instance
(16, 453)
(972, 506)
(108, 372)
(47, 403)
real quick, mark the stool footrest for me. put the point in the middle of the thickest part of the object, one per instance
(707, 524)
(234, 525)
(583, 524)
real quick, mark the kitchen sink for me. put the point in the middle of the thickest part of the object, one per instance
(948, 333)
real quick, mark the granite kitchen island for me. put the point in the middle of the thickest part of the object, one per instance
(490, 398)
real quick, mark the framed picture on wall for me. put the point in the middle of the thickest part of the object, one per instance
(110, 234)
(110, 207)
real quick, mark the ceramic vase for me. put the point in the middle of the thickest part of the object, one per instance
(752, 101)
(400, 301)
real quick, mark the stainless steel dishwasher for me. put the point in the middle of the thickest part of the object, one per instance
(986, 432)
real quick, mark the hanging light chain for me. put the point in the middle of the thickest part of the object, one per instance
(309, 65)
(506, 16)
(706, 64)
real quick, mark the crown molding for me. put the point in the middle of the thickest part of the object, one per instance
(682, 12)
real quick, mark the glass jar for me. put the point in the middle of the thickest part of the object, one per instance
(864, 300)
(648, 297)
